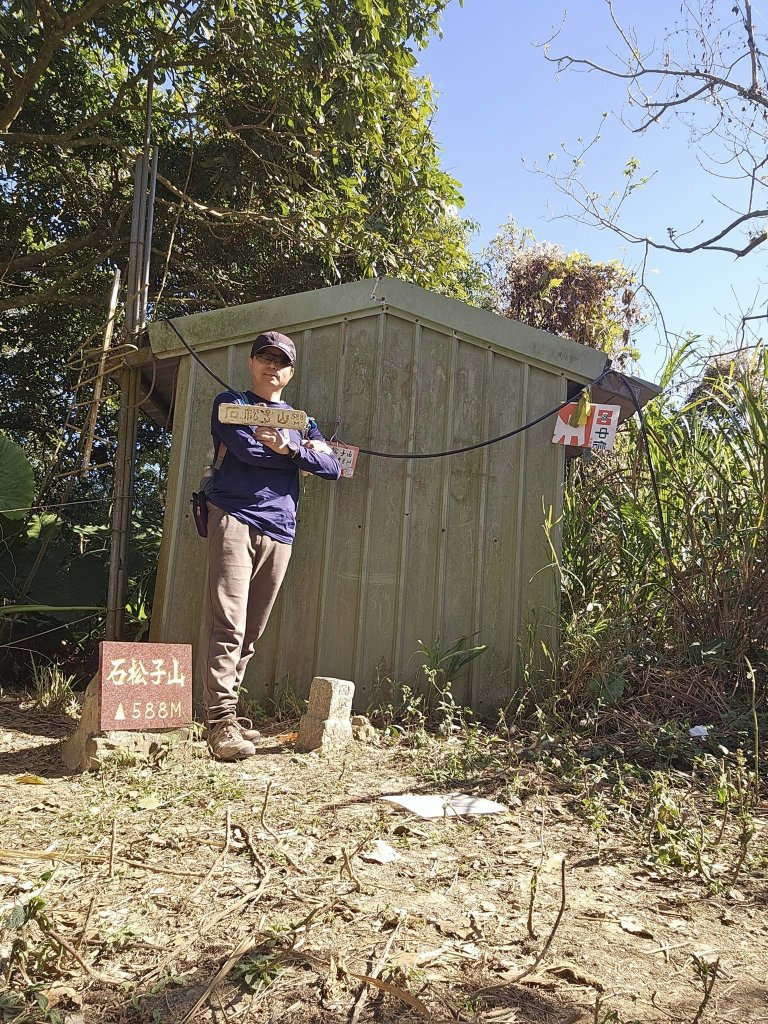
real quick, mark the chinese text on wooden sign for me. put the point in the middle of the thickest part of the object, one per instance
(145, 686)
(262, 416)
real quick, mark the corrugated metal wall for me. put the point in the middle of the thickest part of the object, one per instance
(405, 550)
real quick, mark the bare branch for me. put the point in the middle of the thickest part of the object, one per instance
(634, 74)
(589, 207)
(751, 44)
(710, 74)
(663, 107)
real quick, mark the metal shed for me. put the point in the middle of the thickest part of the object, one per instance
(405, 550)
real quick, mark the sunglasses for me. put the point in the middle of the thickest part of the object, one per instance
(280, 361)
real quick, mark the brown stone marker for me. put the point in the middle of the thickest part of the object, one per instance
(326, 725)
(145, 686)
(139, 691)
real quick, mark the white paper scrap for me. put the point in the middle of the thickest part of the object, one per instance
(450, 805)
(380, 853)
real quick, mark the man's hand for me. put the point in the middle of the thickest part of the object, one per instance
(319, 446)
(272, 438)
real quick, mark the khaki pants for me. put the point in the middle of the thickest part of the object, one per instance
(245, 570)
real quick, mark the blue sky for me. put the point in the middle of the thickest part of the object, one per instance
(502, 109)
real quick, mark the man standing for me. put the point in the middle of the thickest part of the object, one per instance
(251, 525)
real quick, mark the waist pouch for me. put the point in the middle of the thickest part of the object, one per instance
(199, 499)
(199, 503)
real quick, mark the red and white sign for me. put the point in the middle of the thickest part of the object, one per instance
(144, 686)
(347, 456)
(599, 432)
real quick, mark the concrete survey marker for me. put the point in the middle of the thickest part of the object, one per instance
(144, 686)
(262, 416)
(326, 725)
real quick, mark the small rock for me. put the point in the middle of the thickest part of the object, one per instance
(363, 731)
(629, 924)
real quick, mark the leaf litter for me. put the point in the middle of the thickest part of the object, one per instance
(252, 899)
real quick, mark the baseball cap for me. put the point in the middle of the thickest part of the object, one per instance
(273, 339)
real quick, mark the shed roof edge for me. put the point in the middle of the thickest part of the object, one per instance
(302, 309)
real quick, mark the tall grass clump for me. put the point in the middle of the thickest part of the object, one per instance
(671, 619)
(52, 690)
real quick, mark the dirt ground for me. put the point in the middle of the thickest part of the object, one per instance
(182, 889)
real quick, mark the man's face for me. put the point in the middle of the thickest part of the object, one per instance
(270, 370)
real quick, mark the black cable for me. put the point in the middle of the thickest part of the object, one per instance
(415, 455)
(492, 440)
(665, 538)
(196, 357)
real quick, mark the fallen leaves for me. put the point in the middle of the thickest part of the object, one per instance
(28, 779)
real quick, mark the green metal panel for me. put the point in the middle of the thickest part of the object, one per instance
(425, 507)
(497, 616)
(363, 298)
(405, 550)
(300, 612)
(340, 635)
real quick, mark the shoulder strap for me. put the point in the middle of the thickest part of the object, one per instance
(221, 451)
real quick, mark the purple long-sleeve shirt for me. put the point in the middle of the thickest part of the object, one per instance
(255, 484)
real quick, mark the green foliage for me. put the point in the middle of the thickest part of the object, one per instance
(257, 971)
(17, 482)
(568, 294)
(688, 625)
(53, 578)
(448, 662)
(441, 668)
(296, 150)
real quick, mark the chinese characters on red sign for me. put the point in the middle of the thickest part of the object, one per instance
(347, 456)
(598, 432)
(145, 686)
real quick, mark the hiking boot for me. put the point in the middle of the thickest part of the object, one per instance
(226, 741)
(246, 729)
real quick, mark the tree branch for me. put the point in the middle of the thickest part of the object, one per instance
(219, 212)
(751, 44)
(51, 41)
(42, 256)
(632, 75)
(8, 68)
(62, 141)
(53, 292)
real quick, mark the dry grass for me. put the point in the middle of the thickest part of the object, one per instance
(184, 890)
